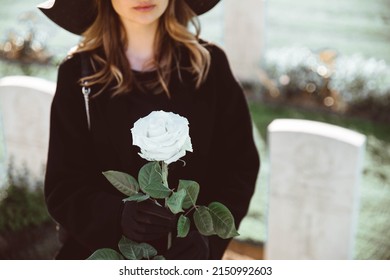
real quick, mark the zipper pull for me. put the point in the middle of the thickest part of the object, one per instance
(86, 91)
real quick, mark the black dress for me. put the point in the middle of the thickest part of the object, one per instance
(224, 162)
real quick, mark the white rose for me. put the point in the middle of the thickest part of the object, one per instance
(162, 136)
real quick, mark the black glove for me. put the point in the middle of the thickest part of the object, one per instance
(146, 221)
(192, 247)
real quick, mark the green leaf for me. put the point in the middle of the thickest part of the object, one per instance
(150, 181)
(148, 251)
(123, 182)
(159, 257)
(183, 226)
(139, 197)
(130, 249)
(136, 251)
(105, 254)
(175, 201)
(203, 221)
(157, 190)
(223, 220)
(149, 173)
(192, 190)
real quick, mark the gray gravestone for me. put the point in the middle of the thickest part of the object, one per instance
(25, 112)
(315, 171)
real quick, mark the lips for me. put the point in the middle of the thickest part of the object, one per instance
(144, 8)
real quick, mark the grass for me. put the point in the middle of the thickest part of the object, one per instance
(372, 239)
(264, 114)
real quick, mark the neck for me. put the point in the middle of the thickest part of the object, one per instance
(140, 45)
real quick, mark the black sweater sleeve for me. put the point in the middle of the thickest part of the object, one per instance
(236, 160)
(78, 196)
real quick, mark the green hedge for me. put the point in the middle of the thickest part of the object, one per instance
(21, 206)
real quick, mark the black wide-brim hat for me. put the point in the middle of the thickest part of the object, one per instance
(77, 15)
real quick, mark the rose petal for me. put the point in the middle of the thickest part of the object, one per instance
(175, 157)
(188, 145)
(156, 128)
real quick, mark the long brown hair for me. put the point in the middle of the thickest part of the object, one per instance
(107, 40)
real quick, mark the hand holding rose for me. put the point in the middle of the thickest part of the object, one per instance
(147, 221)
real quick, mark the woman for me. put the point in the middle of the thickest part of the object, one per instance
(142, 58)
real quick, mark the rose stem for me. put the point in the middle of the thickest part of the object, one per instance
(164, 171)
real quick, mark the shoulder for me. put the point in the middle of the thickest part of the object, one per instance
(73, 59)
(221, 74)
(70, 67)
(219, 62)
(218, 59)
(68, 77)
(217, 54)
(73, 67)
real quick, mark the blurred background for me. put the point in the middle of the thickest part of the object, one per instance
(323, 60)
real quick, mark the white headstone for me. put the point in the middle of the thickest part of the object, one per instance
(3, 170)
(315, 171)
(25, 112)
(239, 27)
(244, 36)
